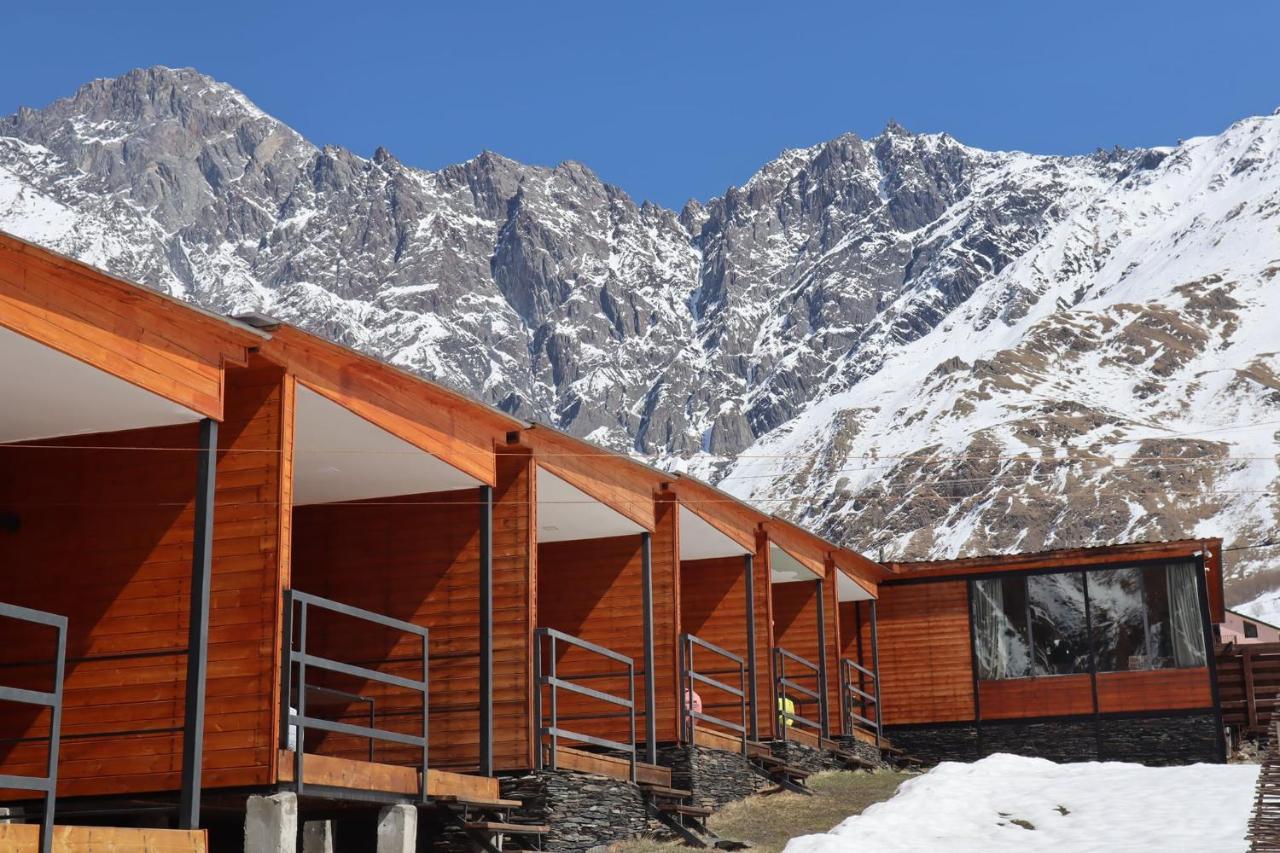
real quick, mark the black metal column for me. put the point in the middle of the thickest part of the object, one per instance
(822, 661)
(875, 667)
(1210, 654)
(650, 692)
(486, 630)
(752, 699)
(198, 637)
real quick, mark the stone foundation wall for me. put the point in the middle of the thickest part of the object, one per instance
(715, 777)
(583, 811)
(805, 757)
(862, 749)
(1181, 739)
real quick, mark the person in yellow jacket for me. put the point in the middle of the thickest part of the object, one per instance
(788, 709)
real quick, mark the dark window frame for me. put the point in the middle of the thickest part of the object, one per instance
(1093, 670)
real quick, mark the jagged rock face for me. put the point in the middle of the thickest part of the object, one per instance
(908, 342)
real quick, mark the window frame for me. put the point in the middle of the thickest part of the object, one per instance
(1092, 670)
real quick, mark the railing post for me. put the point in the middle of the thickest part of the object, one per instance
(55, 737)
(650, 691)
(684, 654)
(537, 701)
(752, 698)
(555, 722)
(823, 711)
(198, 632)
(300, 744)
(286, 667)
(875, 668)
(779, 693)
(631, 698)
(486, 630)
(426, 712)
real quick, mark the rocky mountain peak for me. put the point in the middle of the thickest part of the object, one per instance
(904, 341)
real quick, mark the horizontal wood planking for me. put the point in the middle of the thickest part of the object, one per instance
(831, 615)
(109, 533)
(515, 555)
(568, 758)
(1154, 690)
(713, 607)
(795, 628)
(926, 669)
(24, 838)
(1047, 696)
(460, 431)
(129, 331)
(625, 486)
(591, 588)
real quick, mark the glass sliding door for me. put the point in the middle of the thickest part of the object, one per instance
(1059, 632)
(1001, 643)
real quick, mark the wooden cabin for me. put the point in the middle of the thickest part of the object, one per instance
(116, 400)
(1095, 653)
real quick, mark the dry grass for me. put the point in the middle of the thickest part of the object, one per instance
(768, 823)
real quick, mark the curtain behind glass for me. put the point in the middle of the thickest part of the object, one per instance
(1000, 628)
(1184, 613)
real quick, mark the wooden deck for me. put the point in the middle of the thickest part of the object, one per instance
(387, 778)
(568, 758)
(24, 838)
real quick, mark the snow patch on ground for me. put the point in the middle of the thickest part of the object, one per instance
(990, 806)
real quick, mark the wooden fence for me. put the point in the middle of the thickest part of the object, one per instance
(1248, 685)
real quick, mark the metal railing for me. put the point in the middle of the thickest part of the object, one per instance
(298, 661)
(787, 688)
(854, 699)
(690, 676)
(48, 783)
(544, 667)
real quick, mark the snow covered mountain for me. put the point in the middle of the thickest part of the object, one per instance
(915, 345)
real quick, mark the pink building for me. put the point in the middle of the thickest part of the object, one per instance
(1239, 628)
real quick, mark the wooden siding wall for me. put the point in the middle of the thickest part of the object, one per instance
(514, 570)
(591, 588)
(105, 538)
(795, 628)
(713, 607)
(926, 672)
(414, 558)
(831, 615)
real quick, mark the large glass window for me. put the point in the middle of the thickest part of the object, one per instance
(1059, 632)
(1141, 618)
(1000, 628)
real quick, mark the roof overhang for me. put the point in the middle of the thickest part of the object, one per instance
(786, 568)
(848, 588)
(340, 456)
(566, 513)
(701, 540)
(48, 394)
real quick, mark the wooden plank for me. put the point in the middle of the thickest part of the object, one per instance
(24, 838)
(1066, 558)
(568, 758)
(716, 740)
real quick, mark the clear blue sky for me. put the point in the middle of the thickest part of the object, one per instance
(681, 99)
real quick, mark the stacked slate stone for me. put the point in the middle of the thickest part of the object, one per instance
(864, 750)
(806, 757)
(583, 811)
(715, 777)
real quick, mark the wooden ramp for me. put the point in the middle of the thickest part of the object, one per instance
(24, 838)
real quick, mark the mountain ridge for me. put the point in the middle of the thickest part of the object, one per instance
(905, 300)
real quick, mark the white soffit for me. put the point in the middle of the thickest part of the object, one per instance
(786, 568)
(567, 513)
(46, 394)
(847, 589)
(700, 540)
(340, 456)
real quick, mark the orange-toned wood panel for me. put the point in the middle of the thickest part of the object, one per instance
(926, 671)
(1048, 696)
(414, 558)
(127, 330)
(106, 535)
(514, 554)
(1082, 557)
(1155, 690)
(610, 478)
(591, 588)
(713, 607)
(25, 838)
(460, 431)
(766, 718)
(730, 516)
(795, 628)
(831, 614)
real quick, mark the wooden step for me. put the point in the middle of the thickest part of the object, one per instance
(508, 828)
(477, 802)
(856, 760)
(791, 772)
(662, 791)
(678, 808)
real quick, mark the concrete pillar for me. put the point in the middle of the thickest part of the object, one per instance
(271, 824)
(317, 836)
(398, 829)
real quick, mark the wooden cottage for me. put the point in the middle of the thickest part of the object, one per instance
(1095, 653)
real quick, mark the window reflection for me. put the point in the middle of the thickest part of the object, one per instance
(1142, 618)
